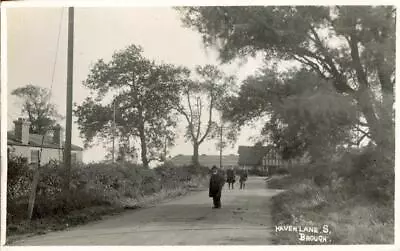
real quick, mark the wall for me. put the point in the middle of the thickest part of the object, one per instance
(245, 167)
(79, 155)
(21, 151)
(47, 153)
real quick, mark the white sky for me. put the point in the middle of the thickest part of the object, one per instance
(32, 42)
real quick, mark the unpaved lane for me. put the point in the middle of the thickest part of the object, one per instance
(244, 219)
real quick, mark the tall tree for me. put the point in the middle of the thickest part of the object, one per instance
(351, 46)
(36, 104)
(200, 99)
(144, 94)
(304, 115)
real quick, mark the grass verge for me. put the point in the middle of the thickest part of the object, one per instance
(350, 219)
(45, 225)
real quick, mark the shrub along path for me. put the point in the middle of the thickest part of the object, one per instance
(243, 220)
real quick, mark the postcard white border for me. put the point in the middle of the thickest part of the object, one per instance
(167, 3)
(3, 137)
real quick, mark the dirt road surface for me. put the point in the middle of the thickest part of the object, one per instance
(244, 219)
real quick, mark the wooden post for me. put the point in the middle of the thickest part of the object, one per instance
(68, 127)
(35, 182)
(32, 196)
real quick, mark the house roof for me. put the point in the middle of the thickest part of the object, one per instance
(35, 140)
(206, 160)
(252, 155)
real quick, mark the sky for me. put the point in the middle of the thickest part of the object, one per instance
(32, 56)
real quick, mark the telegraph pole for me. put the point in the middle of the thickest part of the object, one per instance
(220, 146)
(68, 127)
(165, 149)
(113, 134)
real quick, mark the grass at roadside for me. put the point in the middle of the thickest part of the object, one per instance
(352, 218)
(96, 190)
(56, 223)
(95, 213)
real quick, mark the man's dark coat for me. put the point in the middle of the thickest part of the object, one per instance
(243, 176)
(230, 174)
(216, 183)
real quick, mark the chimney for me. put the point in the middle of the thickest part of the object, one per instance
(22, 130)
(57, 135)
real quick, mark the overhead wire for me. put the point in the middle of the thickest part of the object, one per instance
(57, 49)
(53, 74)
(39, 155)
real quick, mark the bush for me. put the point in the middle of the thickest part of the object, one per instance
(354, 194)
(373, 175)
(173, 177)
(282, 170)
(96, 184)
(257, 171)
(19, 178)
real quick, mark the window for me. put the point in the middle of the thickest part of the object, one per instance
(73, 158)
(34, 156)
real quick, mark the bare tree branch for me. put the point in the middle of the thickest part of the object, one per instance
(212, 97)
(188, 119)
(199, 109)
(362, 138)
(363, 132)
(314, 66)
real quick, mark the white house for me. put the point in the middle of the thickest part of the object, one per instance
(27, 145)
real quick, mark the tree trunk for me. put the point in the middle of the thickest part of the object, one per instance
(143, 146)
(379, 122)
(195, 158)
(143, 143)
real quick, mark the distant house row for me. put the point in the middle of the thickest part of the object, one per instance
(206, 160)
(25, 144)
(263, 157)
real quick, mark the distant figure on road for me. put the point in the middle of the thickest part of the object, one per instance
(243, 178)
(230, 177)
(216, 183)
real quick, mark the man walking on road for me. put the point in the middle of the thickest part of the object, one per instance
(216, 183)
(230, 174)
(243, 178)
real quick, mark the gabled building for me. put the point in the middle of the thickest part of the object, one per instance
(251, 156)
(266, 158)
(25, 144)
